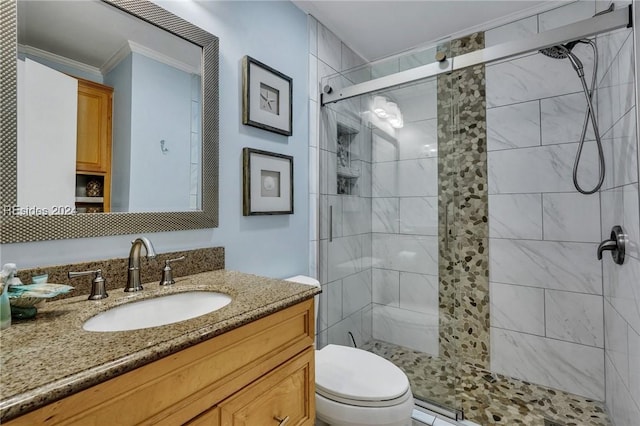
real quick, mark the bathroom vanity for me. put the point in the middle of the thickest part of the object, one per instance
(248, 363)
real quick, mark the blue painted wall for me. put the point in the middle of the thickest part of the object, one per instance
(275, 33)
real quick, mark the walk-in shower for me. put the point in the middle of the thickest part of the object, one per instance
(456, 245)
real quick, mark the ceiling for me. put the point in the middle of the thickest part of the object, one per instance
(92, 32)
(376, 29)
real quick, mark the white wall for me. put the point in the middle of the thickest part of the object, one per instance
(276, 34)
(47, 129)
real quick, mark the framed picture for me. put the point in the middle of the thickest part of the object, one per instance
(267, 180)
(266, 97)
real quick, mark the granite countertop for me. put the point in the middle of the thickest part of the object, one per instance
(52, 357)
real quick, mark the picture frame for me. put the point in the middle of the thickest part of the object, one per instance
(266, 97)
(267, 180)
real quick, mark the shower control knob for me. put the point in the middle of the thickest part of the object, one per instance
(615, 244)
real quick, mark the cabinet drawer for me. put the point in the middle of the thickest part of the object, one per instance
(210, 417)
(286, 393)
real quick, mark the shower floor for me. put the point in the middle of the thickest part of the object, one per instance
(489, 399)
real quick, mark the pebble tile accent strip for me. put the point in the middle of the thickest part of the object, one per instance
(463, 210)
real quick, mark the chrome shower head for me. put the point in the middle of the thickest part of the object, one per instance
(561, 51)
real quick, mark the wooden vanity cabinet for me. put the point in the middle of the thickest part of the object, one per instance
(93, 153)
(259, 374)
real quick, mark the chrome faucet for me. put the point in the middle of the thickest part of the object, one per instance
(133, 278)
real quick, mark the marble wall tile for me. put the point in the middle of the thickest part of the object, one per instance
(364, 182)
(562, 119)
(314, 82)
(385, 215)
(634, 364)
(623, 410)
(622, 290)
(314, 163)
(614, 102)
(417, 58)
(418, 101)
(328, 129)
(419, 292)
(630, 219)
(534, 77)
(334, 302)
(329, 48)
(367, 323)
(408, 253)
(356, 292)
(609, 45)
(323, 261)
(350, 59)
(571, 367)
(616, 342)
(386, 287)
(517, 308)
(322, 322)
(367, 253)
(564, 15)
(513, 31)
(345, 257)
(381, 69)
(515, 216)
(547, 168)
(384, 148)
(356, 215)
(313, 259)
(413, 330)
(546, 264)
(313, 217)
(625, 62)
(418, 139)
(574, 317)
(339, 333)
(329, 170)
(409, 178)
(419, 216)
(312, 28)
(513, 126)
(571, 217)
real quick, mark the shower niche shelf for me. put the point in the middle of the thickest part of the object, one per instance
(348, 170)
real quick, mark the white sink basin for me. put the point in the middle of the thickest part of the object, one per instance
(159, 311)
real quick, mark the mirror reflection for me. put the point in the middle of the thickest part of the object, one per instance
(109, 112)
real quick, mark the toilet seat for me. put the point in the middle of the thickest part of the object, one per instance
(359, 378)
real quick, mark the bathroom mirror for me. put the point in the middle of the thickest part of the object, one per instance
(197, 140)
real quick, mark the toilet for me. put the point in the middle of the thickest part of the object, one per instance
(356, 387)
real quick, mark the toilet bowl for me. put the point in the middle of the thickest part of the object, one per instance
(356, 387)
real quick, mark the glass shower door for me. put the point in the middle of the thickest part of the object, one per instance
(387, 232)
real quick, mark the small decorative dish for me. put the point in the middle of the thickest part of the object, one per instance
(24, 299)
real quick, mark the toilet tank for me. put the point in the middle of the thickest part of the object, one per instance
(303, 279)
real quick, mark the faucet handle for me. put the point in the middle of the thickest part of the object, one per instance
(98, 284)
(167, 272)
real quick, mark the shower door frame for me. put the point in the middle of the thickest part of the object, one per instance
(586, 28)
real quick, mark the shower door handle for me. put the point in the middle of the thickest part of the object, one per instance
(615, 244)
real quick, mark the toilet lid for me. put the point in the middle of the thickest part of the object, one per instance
(357, 375)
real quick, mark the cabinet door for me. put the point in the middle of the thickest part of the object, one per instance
(94, 127)
(286, 396)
